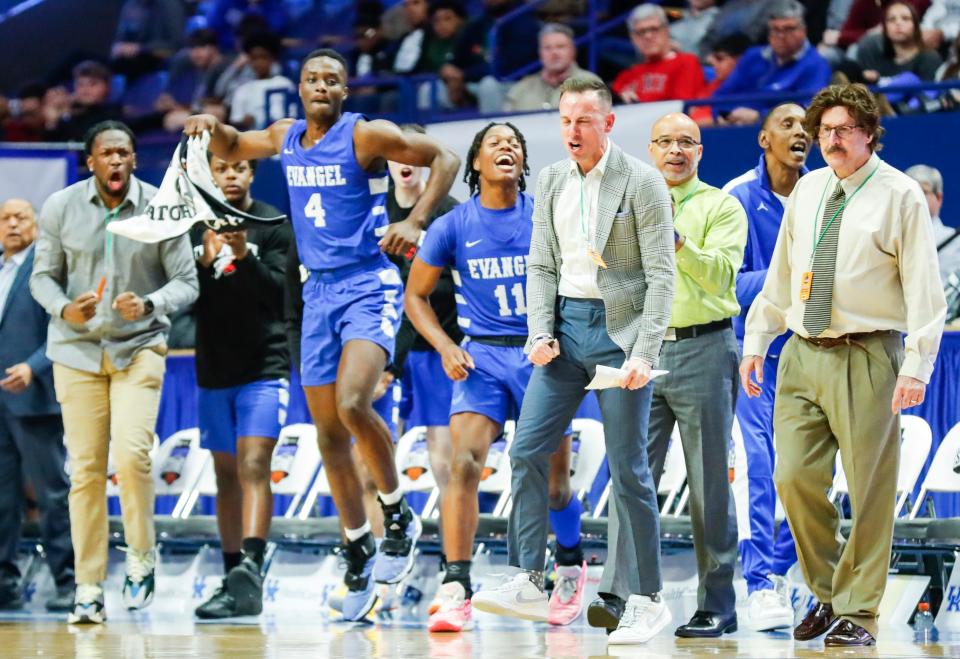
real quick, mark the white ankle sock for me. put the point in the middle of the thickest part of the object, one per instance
(391, 499)
(356, 534)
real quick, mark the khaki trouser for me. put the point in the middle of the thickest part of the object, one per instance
(118, 408)
(829, 399)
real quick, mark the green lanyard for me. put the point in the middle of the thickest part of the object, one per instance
(108, 238)
(823, 232)
(683, 202)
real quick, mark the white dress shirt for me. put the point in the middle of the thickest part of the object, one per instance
(575, 229)
(8, 273)
(886, 271)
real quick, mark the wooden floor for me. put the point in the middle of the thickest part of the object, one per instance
(143, 636)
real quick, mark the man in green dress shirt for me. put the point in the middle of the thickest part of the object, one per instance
(700, 352)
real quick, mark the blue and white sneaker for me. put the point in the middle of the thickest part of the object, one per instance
(87, 606)
(361, 590)
(139, 584)
(402, 529)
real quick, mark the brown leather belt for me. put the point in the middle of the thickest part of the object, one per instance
(846, 340)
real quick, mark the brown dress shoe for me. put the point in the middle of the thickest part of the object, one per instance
(849, 634)
(816, 622)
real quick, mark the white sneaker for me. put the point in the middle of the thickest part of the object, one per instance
(642, 619)
(768, 610)
(139, 584)
(518, 598)
(87, 606)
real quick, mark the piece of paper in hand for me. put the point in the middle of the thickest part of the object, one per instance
(607, 377)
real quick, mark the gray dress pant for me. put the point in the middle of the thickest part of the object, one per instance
(551, 400)
(700, 395)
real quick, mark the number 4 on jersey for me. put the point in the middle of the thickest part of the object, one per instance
(520, 306)
(314, 210)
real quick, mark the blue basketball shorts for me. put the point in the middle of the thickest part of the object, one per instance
(365, 302)
(255, 409)
(426, 390)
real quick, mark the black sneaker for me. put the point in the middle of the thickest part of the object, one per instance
(402, 529)
(240, 594)
(361, 596)
(10, 596)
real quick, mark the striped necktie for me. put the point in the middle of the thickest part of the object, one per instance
(816, 316)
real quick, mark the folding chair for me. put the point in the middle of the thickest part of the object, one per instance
(177, 468)
(941, 477)
(296, 458)
(413, 468)
(496, 473)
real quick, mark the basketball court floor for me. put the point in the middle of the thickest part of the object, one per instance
(298, 621)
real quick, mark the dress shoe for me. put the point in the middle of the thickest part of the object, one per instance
(605, 611)
(816, 622)
(62, 602)
(704, 624)
(10, 597)
(849, 634)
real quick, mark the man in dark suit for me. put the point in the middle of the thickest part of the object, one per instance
(31, 431)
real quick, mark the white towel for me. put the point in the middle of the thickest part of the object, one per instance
(187, 195)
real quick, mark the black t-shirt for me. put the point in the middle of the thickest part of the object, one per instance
(441, 300)
(239, 314)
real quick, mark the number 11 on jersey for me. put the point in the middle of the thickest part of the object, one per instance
(520, 306)
(314, 210)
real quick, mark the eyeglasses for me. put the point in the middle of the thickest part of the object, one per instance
(843, 132)
(783, 30)
(684, 143)
(647, 31)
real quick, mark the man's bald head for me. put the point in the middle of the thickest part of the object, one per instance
(674, 122)
(675, 147)
(17, 226)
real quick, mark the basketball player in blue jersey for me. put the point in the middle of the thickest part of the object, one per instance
(335, 166)
(485, 242)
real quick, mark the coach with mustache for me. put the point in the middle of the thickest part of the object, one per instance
(854, 267)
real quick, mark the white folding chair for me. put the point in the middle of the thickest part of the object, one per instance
(941, 477)
(177, 468)
(296, 458)
(915, 444)
(413, 468)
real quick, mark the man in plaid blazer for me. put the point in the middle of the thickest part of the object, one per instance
(600, 278)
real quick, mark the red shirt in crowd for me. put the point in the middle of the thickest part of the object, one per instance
(676, 76)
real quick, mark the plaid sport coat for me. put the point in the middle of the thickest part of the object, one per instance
(635, 237)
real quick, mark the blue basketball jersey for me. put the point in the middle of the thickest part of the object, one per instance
(486, 250)
(335, 205)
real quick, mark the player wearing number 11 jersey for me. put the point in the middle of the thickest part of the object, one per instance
(485, 242)
(335, 164)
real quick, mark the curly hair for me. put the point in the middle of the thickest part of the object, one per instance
(859, 102)
(471, 176)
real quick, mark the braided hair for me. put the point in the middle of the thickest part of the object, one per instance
(471, 176)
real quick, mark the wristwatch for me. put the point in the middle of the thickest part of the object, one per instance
(147, 306)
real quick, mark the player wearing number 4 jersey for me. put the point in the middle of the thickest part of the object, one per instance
(335, 166)
(485, 242)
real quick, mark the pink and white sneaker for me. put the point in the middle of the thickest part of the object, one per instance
(566, 603)
(454, 613)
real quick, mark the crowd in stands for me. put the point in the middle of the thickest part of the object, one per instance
(237, 58)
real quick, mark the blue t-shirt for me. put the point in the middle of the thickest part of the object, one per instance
(486, 250)
(335, 205)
